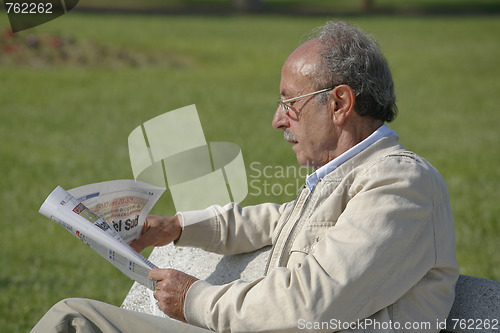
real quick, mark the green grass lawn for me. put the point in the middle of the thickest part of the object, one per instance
(68, 125)
(314, 5)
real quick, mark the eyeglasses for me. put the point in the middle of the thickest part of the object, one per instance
(285, 107)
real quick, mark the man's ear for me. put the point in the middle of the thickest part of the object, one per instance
(342, 100)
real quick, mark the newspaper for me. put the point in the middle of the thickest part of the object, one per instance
(107, 217)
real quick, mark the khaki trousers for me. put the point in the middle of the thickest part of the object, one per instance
(78, 315)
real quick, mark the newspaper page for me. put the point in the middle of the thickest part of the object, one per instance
(123, 204)
(74, 216)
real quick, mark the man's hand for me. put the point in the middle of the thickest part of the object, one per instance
(171, 288)
(158, 231)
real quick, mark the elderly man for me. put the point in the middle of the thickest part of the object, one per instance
(368, 244)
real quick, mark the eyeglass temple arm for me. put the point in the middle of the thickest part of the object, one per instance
(306, 95)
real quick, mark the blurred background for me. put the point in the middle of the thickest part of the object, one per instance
(74, 88)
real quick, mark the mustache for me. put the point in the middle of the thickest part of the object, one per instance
(288, 136)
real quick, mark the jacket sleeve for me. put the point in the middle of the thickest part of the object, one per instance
(231, 229)
(382, 244)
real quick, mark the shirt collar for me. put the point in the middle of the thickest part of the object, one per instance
(382, 132)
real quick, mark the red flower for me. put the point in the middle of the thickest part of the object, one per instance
(7, 33)
(55, 42)
(10, 48)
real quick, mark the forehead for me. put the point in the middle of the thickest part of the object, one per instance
(301, 67)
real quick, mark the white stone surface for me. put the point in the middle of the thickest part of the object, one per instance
(214, 268)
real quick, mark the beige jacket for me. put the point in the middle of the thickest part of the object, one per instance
(370, 249)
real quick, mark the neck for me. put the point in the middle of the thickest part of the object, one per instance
(353, 133)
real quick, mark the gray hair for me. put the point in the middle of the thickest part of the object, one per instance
(352, 57)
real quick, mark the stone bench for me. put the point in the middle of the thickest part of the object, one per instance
(214, 268)
(476, 306)
(477, 301)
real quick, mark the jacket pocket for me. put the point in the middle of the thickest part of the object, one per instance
(310, 234)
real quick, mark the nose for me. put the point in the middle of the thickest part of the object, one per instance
(280, 119)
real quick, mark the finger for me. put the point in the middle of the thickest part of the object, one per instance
(157, 274)
(145, 240)
(137, 247)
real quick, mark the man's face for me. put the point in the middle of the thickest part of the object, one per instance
(307, 125)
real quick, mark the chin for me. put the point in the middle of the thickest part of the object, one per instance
(304, 162)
